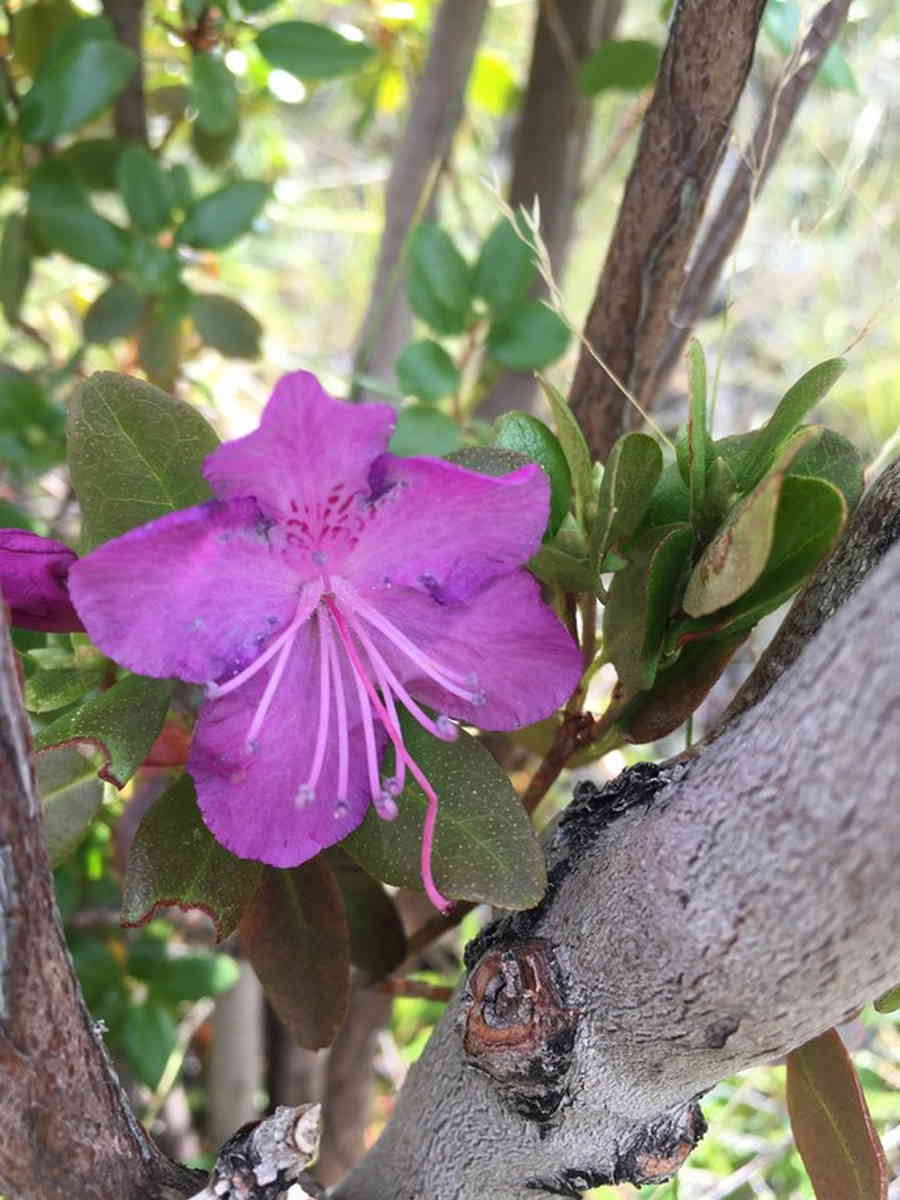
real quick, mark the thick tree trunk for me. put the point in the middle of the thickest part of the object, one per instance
(434, 116)
(551, 141)
(684, 134)
(702, 917)
(67, 1127)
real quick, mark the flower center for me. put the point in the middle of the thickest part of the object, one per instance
(346, 622)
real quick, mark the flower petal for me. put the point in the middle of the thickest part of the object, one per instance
(197, 593)
(249, 800)
(306, 444)
(33, 572)
(446, 530)
(522, 658)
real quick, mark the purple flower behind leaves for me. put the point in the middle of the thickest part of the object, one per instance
(328, 584)
(33, 575)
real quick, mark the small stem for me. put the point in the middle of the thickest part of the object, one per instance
(416, 988)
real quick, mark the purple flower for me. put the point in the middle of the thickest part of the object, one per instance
(33, 574)
(328, 584)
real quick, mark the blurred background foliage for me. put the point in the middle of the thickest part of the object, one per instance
(238, 241)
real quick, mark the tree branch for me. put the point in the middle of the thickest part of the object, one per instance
(702, 917)
(684, 134)
(551, 141)
(127, 18)
(67, 1127)
(433, 118)
(723, 231)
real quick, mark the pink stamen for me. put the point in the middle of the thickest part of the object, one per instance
(327, 635)
(362, 681)
(450, 680)
(309, 599)
(308, 789)
(441, 728)
(363, 689)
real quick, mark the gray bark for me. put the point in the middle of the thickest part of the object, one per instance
(434, 116)
(704, 917)
(236, 1062)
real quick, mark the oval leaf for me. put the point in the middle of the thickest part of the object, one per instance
(831, 1122)
(175, 860)
(15, 265)
(226, 326)
(123, 723)
(439, 273)
(145, 188)
(527, 336)
(377, 940)
(295, 935)
(630, 477)
(485, 848)
(220, 218)
(71, 795)
(213, 94)
(527, 435)
(64, 218)
(505, 269)
(576, 450)
(424, 430)
(426, 370)
(134, 453)
(311, 51)
(115, 313)
(627, 65)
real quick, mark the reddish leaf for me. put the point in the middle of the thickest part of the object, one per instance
(175, 860)
(377, 941)
(831, 1122)
(295, 935)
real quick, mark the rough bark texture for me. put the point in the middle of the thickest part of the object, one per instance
(434, 116)
(720, 237)
(702, 917)
(127, 17)
(684, 134)
(67, 1127)
(551, 141)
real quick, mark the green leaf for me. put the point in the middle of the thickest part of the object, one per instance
(154, 270)
(699, 445)
(679, 689)
(175, 860)
(46, 691)
(146, 189)
(505, 268)
(425, 370)
(160, 346)
(440, 279)
(487, 460)
(94, 162)
(134, 453)
(794, 406)
(311, 51)
(71, 794)
(191, 977)
(221, 217)
(15, 265)
(83, 71)
(34, 27)
(571, 572)
(737, 555)
(226, 325)
(296, 937)
(527, 336)
(831, 457)
(64, 218)
(575, 449)
(889, 1002)
(831, 1122)
(641, 598)
(214, 149)
(631, 474)
(424, 430)
(115, 313)
(182, 187)
(377, 940)
(213, 94)
(485, 848)
(148, 1036)
(527, 435)
(123, 723)
(626, 65)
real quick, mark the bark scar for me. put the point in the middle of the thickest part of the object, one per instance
(517, 1028)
